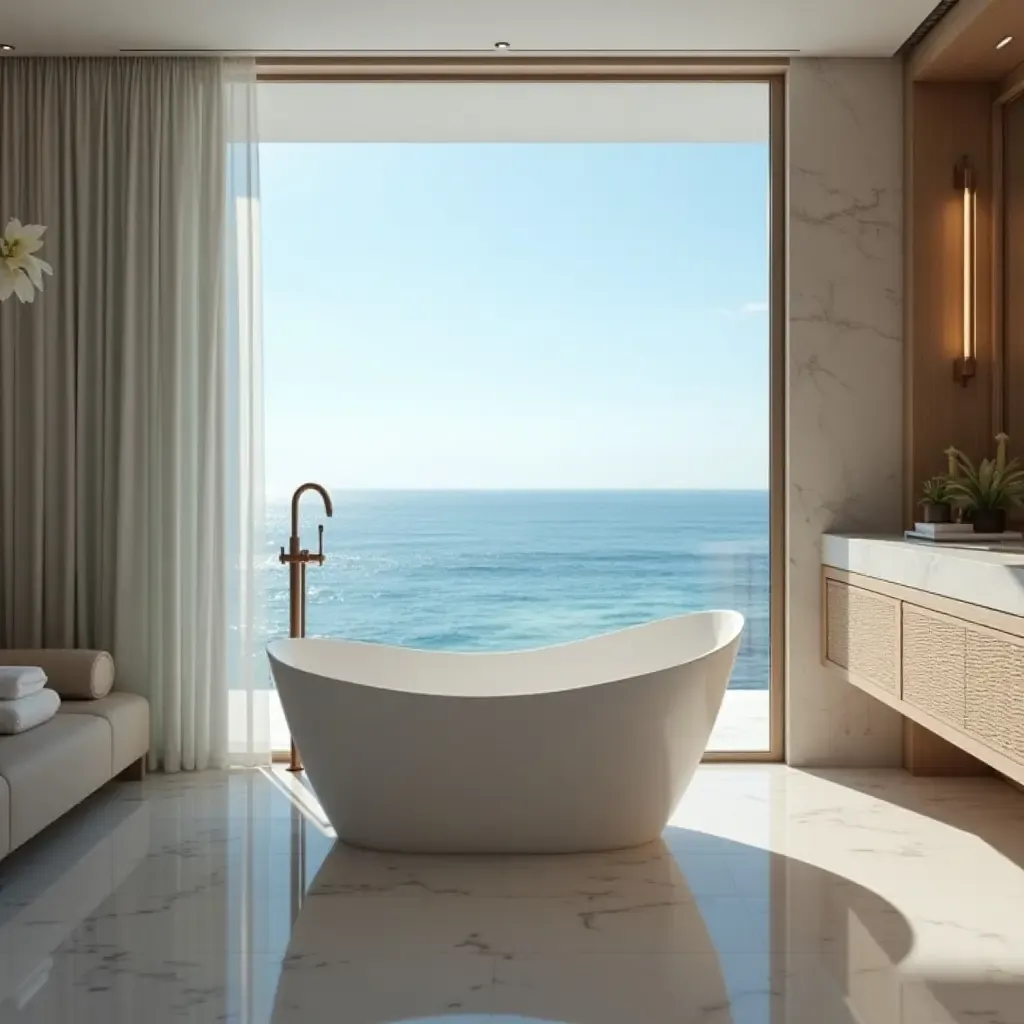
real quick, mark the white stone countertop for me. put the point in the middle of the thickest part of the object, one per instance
(989, 575)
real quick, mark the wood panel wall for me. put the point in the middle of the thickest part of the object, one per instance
(1013, 274)
(953, 82)
(945, 122)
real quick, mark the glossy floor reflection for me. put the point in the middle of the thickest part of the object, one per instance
(776, 897)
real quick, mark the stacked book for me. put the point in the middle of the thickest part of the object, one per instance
(961, 533)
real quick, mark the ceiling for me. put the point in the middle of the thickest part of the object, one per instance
(811, 27)
(963, 47)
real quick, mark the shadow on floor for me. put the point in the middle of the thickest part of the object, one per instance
(986, 806)
(990, 810)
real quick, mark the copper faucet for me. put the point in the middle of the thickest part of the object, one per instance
(297, 559)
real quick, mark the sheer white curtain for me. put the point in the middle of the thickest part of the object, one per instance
(130, 392)
(250, 696)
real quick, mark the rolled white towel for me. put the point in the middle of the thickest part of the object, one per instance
(28, 712)
(20, 680)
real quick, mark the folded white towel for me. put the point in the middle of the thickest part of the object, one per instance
(20, 680)
(28, 712)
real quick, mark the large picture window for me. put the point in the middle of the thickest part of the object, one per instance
(534, 374)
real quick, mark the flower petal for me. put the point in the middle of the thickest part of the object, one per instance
(30, 238)
(30, 266)
(23, 288)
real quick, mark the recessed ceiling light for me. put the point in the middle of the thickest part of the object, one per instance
(1003, 43)
(503, 46)
(6, 47)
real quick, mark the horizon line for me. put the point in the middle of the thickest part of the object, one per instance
(531, 490)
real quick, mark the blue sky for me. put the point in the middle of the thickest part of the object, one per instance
(500, 315)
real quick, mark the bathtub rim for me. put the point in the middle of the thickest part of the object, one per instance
(734, 622)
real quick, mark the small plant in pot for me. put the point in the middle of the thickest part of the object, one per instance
(936, 500)
(987, 491)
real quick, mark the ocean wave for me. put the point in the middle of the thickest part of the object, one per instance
(488, 572)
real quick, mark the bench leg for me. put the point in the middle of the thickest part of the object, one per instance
(136, 771)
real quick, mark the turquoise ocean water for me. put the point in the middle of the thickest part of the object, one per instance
(487, 570)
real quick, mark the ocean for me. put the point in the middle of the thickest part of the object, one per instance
(489, 570)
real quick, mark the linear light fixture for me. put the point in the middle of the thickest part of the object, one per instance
(1004, 42)
(965, 182)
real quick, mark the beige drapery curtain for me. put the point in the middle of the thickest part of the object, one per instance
(129, 391)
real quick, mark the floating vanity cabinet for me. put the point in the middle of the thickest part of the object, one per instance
(954, 667)
(863, 634)
(934, 651)
(994, 670)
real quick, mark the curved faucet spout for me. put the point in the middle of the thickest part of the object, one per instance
(297, 559)
(322, 491)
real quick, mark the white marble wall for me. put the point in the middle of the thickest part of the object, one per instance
(845, 368)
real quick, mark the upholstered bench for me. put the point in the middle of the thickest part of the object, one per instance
(97, 734)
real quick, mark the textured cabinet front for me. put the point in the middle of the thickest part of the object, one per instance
(934, 651)
(995, 691)
(863, 634)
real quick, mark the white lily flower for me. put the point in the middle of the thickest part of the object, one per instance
(21, 271)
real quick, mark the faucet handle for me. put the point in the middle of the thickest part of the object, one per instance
(320, 553)
(282, 558)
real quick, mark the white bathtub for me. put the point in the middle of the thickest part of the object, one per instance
(579, 747)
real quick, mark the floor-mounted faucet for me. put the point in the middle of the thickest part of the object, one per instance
(297, 558)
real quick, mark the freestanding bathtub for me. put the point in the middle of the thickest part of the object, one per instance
(579, 747)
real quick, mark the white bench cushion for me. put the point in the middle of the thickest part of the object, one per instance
(51, 769)
(128, 717)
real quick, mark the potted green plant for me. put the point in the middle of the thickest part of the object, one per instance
(985, 492)
(936, 500)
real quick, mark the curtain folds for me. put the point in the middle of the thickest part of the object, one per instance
(130, 391)
(251, 696)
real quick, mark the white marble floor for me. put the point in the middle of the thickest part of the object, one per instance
(776, 897)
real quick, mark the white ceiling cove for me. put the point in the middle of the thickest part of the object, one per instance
(859, 28)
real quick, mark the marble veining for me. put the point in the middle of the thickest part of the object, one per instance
(829, 897)
(845, 374)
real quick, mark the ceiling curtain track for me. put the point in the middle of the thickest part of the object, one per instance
(518, 68)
